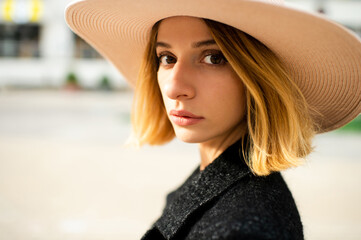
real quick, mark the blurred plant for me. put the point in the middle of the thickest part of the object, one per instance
(72, 82)
(353, 126)
(105, 84)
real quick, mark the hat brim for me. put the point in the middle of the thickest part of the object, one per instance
(323, 58)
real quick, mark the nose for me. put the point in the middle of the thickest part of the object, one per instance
(180, 83)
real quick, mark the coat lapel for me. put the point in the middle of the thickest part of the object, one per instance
(201, 188)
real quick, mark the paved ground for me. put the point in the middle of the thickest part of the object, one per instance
(64, 173)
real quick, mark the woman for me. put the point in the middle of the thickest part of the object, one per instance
(251, 82)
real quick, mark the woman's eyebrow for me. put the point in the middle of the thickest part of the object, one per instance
(162, 44)
(203, 43)
(194, 45)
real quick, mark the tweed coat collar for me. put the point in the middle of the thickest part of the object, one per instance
(201, 188)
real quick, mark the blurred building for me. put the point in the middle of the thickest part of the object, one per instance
(38, 50)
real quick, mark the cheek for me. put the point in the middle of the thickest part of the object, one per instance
(229, 87)
(236, 88)
(231, 97)
(160, 83)
(239, 97)
(161, 76)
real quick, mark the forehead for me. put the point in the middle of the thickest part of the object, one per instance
(181, 27)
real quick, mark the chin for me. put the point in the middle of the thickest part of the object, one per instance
(188, 140)
(190, 137)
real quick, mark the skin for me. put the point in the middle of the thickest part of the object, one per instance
(194, 76)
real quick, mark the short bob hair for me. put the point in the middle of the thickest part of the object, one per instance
(279, 126)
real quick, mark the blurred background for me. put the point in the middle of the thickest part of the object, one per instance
(64, 117)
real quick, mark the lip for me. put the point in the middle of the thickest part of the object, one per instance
(184, 118)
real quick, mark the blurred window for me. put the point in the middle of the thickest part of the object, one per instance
(19, 40)
(84, 50)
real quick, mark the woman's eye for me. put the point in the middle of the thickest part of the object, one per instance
(215, 59)
(166, 60)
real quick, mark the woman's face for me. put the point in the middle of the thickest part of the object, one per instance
(203, 96)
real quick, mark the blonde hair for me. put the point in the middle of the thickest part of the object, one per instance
(280, 128)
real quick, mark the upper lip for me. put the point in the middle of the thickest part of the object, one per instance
(183, 113)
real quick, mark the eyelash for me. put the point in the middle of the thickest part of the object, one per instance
(206, 54)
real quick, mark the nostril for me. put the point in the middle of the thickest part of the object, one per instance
(182, 95)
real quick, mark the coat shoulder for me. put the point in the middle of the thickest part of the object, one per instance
(253, 208)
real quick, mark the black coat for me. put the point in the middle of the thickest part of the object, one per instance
(226, 201)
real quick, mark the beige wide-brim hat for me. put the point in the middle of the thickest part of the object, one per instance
(323, 57)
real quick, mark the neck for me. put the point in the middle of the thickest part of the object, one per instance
(211, 149)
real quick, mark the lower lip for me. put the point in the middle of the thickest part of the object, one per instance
(185, 121)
